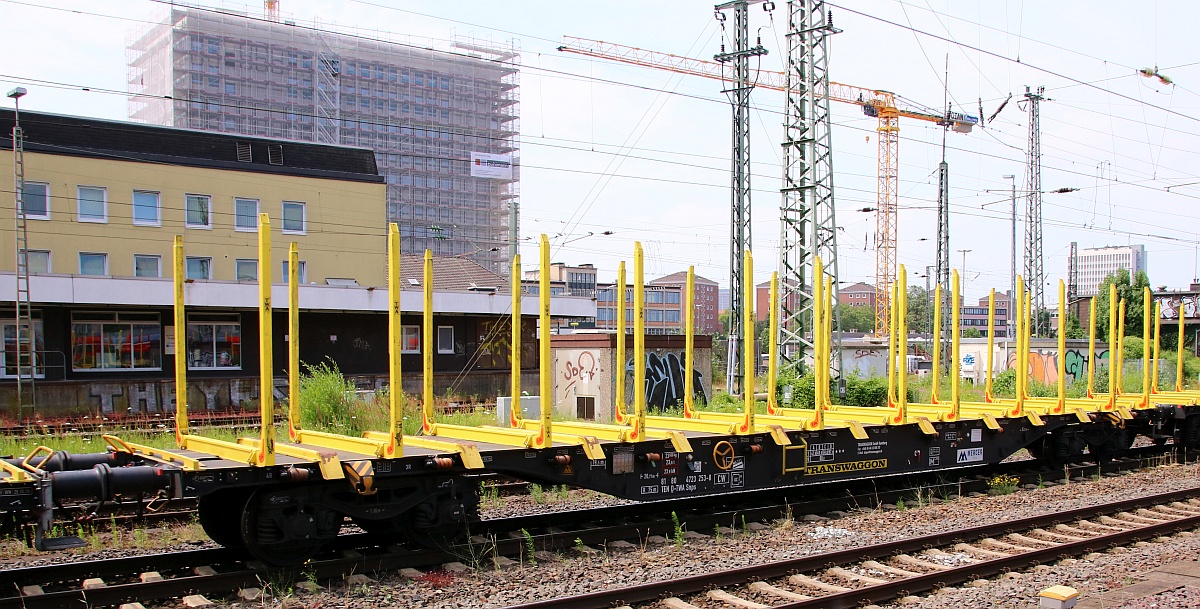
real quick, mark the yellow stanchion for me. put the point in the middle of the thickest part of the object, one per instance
(514, 410)
(936, 373)
(773, 349)
(181, 409)
(427, 410)
(546, 387)
(748, 351)
(639, 345)
(293, 280)
(689, 341)
(991, 346)
(1060, 408)
(620, 407)
(955, 347)
(265, 453)
(395, 445)
(1091, 381)
(1157, 345)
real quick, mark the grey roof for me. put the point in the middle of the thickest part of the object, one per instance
(449, 273)
(119, 140)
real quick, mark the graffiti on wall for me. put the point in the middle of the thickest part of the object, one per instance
(665, 384)
(1043, 364)
(1173, 304)
(580, 371)
(141, 397)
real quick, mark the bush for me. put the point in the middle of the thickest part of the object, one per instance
(870, 391)
(330, 403)
(1132, 348)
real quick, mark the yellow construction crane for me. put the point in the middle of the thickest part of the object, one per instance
(884, 105)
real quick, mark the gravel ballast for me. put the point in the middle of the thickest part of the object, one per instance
(659, 559)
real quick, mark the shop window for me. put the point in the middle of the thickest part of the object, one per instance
(115, 341)
(214, 342)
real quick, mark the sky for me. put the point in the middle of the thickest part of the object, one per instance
(645, 154)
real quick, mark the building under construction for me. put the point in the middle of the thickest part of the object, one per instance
(443, 124)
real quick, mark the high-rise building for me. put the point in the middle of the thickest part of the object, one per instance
(1096, 263)
(443, 124)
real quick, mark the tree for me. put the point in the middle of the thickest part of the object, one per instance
(920, 309)
(1074, 329)
(1131, 293)
(972, 333)
(857, 318)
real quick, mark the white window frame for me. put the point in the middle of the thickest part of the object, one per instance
(79, 204)
(156, 257)
(404, 332)
(303, 218)
(49, 260)
(157, 208)
(39, 342)
(102, 255)
(303, 271)
(208, 221)
(441, 349)
(257, 208)
(237, 271)
(45, 216)
(191, 258)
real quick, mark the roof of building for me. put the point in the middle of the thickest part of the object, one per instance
(859, 287)
(125, 141)
(680, 278)
(449, 273)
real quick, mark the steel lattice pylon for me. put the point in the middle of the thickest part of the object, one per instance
(739, 221)
(1035, 272)
(807, 223)
(942, 276)
(885, 217)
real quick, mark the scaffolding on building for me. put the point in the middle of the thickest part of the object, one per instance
(424, 107)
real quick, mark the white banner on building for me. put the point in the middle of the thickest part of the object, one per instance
(497, 166)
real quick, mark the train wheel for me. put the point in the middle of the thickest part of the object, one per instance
(220, 514)
(282, 530)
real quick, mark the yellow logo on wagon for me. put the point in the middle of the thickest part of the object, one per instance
(841, 468)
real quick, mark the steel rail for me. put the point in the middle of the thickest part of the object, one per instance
(854, 598)
(362, 553)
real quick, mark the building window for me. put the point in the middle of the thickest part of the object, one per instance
(246, 269)
(654, 315)
(8, 367)
(93, 204)
(115, 341)
(671, 316)
(147, 265)
(672, 297)
(146, 210)
(302, 272)
(37, 200)
(445, 339)
(294, 217)
(245, 214)
(230, 88)
(37, 261)
(198, 268)
(199, 211)
(214, 342)
(93, 264)
(410, 339)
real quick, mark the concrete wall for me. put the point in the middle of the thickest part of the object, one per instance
(1043, 358)
(585, 365)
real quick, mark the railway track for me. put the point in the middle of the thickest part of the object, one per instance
(868, 574)
(216, 571)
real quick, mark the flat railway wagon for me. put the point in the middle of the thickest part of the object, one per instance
(281, 501)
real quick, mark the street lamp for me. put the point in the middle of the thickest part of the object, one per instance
(964, 269)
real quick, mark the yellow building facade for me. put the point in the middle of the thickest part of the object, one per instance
(98, 214)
